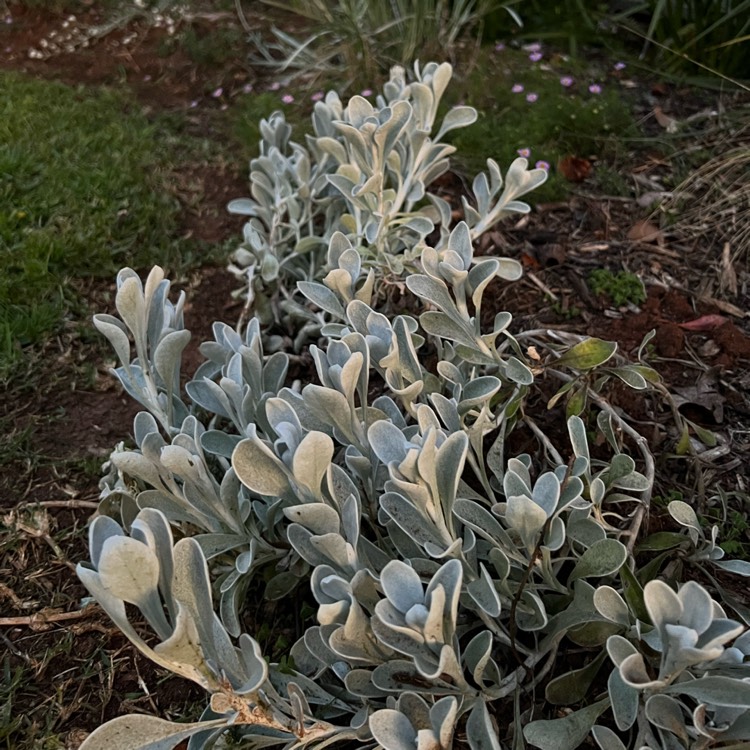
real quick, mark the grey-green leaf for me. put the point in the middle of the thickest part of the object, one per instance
(141, 732)
(566, 733)
(602, 558)
(259, 469)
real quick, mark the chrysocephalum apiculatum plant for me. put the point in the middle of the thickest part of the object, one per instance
(451, 578)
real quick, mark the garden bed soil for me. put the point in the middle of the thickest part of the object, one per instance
(81, 670)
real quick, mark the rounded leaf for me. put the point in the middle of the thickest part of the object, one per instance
(393, 730)
(401, 585)
(258, 468)
(128, 568)
(602, 558)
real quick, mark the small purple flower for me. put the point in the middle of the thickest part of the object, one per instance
(193, 104)
(566, 81)
(517, 88)
(247, 88)
(532, 97)
(366, 92)
(287, 98)
(620, 66)
(533, 47)
(9, 19)
(317, 96)
(595, 88)
(500, 46)
(542, 165)
(275, 86)
(217, 93)
(147, 77)
(535, 56)
(525, 152)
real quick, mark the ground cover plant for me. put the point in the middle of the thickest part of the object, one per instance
(67, 669)
(450, 576)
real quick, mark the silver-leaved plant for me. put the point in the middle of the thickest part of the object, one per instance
(365, 171)
(448, 575)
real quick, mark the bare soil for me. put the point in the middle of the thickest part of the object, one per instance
(81, 671)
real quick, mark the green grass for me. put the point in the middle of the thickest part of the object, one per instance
(622, 287)
(82, 192)
(562, 121)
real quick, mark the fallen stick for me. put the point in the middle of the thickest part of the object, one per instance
(40, 618)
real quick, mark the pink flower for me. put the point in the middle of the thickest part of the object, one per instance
(366, 92)
(287, 98)
(147, 77)
(620, 66)
(595, 88)
(525, 152)
(535, 56)
(542, 165)
(532, 97)
(317, 96)
(247, 88)
(566, 81)
(275, 86)
(517, 88)
(194, 103)
(217, 93)
(499, 47)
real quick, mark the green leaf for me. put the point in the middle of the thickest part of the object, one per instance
(312, 459)
(392, 730)
(567, 733)
(141, 732)
(630, 376)
(633, 594)
(661, 540)
(577, 402)
(259, 469)
(116, 333)
(483, 592)
(323, 297)
(624, 699)
(572, 687)
(480, 731)
(518, 372)
(439, 324)
(602, 558)
(458, 117)
(588, 354)
(717, 691)
(607, 739)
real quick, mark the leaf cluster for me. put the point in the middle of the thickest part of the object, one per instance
(450, 576)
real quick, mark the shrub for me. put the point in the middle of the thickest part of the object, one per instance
(366, 172)
(447, 572)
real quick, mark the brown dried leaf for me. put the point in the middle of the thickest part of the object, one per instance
(645, 231)
(574, 168)
(704, 323)
(668, 123)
